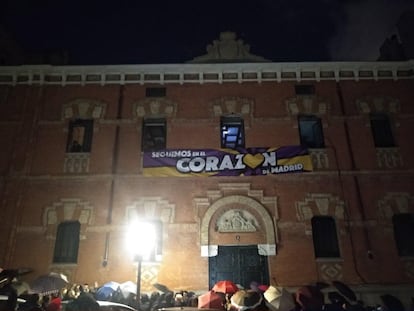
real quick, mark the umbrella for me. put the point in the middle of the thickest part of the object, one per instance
(211, 300)
(21, 287)
(344, 290)
(246, 299)
(128, 288)
(225, 287)
(49, 283)
(105, 291)
(161, 288)
(279, 298)
(392, 302)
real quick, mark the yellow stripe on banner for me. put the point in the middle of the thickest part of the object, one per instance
(305, 160)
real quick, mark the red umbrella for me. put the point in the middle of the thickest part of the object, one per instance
(211, 300)
(226, 287)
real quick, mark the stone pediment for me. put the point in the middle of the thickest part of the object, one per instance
(228, 49)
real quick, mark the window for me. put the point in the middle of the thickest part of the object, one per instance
(154, 132)
(404, 233)
(67, 242)
(310, 131)
(232, 132)
(304, 89)
(325, 240)
(155, 92)
(381, 130)
(80, 136)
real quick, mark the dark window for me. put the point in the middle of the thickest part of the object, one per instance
(154, 132)
(67, 242)
(325, 239)
(304, 89)
(80, 136)
(404, 233)
(381, 130)
(232, 132)
(310, 131)
(155, 92)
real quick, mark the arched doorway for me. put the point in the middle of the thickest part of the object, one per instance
(237, 233)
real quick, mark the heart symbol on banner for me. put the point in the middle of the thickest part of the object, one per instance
(253, 161)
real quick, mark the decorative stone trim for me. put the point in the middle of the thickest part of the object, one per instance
(151, 208)
(76, 163)
(232, 105)
(154, 107)
(307, 104)
(330, 271)
(209, 250)
(267, 249)
(319, 158)
(84, 109)
(316, 204)
(200, 73)
(394, 203)
(67, 210)
(389, 158)
(371, 104)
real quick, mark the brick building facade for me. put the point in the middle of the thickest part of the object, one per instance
(347, 219)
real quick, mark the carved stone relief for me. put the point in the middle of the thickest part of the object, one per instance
(237, 219)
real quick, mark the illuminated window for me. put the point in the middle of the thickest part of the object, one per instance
(310, 131)
(154, 132)
(67, 242)
(325, 239)
(80, 136)
(232, 132)
(404, 233)
(381, 130)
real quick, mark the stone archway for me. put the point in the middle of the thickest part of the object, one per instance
(251, 204)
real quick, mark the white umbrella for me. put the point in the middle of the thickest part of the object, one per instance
(279, 299)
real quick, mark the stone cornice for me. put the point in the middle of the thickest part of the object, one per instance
(204, 73)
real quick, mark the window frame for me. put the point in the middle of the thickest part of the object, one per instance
(381, 130)
(227, 122)
(403, 227)
(66, 248)
(150, 141)
(325, 237)
(316, 140)
(304, 89)
(86, 144)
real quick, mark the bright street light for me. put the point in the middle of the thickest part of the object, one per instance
(141, 239)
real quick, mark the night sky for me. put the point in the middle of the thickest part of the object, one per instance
(145, 32)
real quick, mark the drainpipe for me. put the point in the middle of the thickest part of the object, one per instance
(115, 154)
(360, 204)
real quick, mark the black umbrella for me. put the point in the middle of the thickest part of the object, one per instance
(344, 290)
(392, 302)
(336, 298)
(161, 288)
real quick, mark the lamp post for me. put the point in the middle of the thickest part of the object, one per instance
(141, 239)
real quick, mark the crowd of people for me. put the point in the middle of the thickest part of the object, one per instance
(77, 297)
